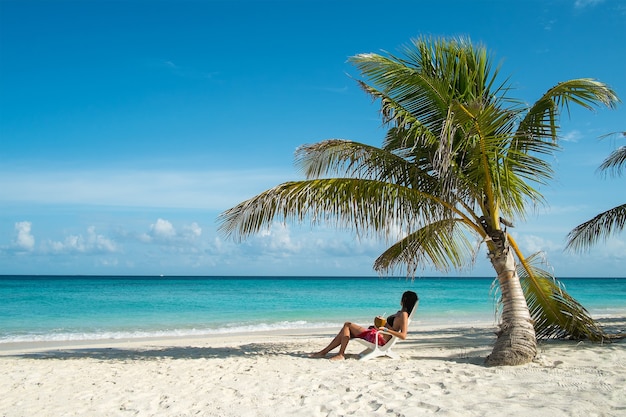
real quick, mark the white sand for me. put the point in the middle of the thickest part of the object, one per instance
(441, 372)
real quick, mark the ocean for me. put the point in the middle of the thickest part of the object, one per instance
(65, 308)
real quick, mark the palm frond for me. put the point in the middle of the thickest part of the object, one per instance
(600, 227)
(539, 126)
(555, 313)
(586, 92)
(465, 67)
(402, 88)
(604, 224)
(443, 244)
(411, 143)
(366, 206)
(615, 162)
(357, 160)
(421, 124)
(489, 162)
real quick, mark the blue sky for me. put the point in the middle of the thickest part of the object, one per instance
(126, 127)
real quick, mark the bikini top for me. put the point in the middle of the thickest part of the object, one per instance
(390, 320)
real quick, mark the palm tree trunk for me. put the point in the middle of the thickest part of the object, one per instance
(516, 343)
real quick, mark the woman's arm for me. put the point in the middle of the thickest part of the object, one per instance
(400, 326)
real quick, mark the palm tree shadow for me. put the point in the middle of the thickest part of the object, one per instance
(471, 345)
(467, 345)
(173, 352)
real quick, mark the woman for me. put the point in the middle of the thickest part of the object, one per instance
(397, 325)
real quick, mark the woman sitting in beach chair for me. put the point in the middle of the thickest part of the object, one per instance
(395, 326)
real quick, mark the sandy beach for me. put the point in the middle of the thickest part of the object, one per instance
(440, 372)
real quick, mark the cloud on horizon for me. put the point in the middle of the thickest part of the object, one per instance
(163, 231)
(24, 239)
(90, 243)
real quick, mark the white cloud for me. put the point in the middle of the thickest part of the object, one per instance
(532, 243)
(24, 239)
(92, 242)
(572, 136)
(162, 229)
(170, 64)
(611, 249)
(581, 4)
(616, 248)
(321, 242)
(605, 259)
(193, 230)
(278, 238)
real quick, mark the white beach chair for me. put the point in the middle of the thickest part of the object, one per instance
(374, 351)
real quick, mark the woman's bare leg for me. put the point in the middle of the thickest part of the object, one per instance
(348, 331)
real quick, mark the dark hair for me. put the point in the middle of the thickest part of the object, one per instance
(409, 299)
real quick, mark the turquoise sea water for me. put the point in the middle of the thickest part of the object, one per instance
(41, 308)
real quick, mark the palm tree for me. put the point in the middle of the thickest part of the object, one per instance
(458, 160)
(585, 235)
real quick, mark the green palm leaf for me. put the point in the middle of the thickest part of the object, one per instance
(587, 234)
(601, 226)
(555, 313)
(615, 162)
(356, 160)
(366, 206)
(539, 127)
(442, 244)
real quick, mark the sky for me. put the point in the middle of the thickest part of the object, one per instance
(127, 127)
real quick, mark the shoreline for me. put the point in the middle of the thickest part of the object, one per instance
(283, 327)
(12, 348)
(6, 347)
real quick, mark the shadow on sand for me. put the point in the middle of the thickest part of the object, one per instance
(172, 352)
(456, 344)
